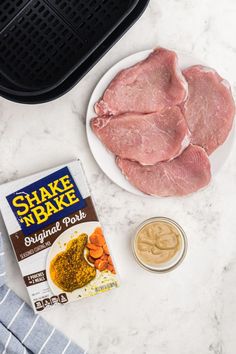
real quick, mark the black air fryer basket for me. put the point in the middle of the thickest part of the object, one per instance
(47, 46)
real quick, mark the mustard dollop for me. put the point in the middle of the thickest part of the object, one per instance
(157, 243)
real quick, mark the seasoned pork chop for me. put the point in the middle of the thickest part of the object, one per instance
(69, 270)
(146, 138)
(210, 107)
(184, 175)
(149, 86)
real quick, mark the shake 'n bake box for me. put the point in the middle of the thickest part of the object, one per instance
(56, 236)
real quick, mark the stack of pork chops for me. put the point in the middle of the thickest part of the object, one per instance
(162, 124)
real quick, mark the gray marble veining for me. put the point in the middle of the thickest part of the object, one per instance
(193, 309)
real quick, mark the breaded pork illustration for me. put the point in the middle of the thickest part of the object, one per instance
(69, 270)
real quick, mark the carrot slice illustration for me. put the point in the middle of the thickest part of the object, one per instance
(101, 265)
(96, 253)
(106, 250)
(91, 246)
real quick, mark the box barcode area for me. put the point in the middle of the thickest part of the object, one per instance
(106, 287)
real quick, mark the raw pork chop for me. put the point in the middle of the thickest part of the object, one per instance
(146, 138)
(149, 86)
(186, 174)
(210, 107)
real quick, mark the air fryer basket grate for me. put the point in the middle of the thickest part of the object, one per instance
(38, 48)
(92, 18)
(46, 46)
(48, 39)
(9, 9)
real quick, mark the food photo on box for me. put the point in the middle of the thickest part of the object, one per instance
(117, 177)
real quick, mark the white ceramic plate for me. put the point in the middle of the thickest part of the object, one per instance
(104, 158)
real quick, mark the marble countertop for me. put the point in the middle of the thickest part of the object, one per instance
(191, 310)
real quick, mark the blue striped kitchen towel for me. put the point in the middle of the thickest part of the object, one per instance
(23, 332)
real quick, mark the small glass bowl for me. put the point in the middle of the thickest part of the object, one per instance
(176, 260)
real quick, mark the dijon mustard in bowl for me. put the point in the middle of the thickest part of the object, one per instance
(160, 245)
